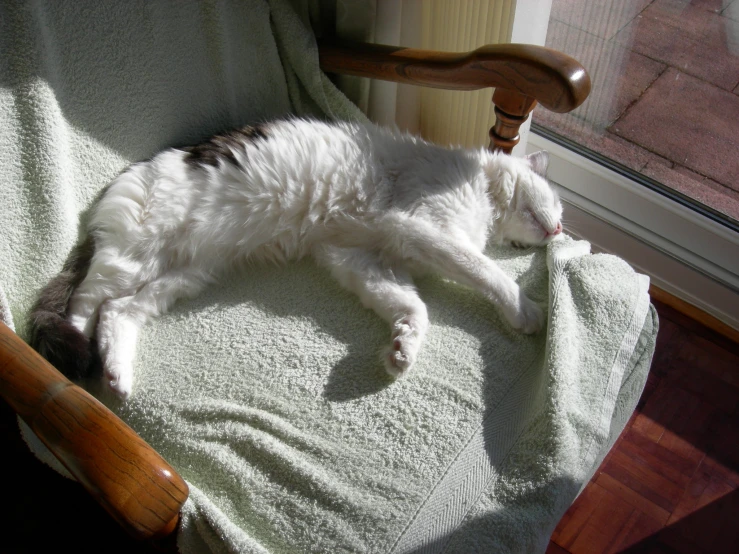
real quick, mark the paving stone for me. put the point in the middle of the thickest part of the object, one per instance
(602, 18)
(732, 11)
(692, 18)
(687, 33)
(694, 40)
(704, 190)
(715, 6)
(607, 144)
(689, 122)
(619, 76)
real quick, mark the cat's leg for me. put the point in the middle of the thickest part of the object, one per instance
(109, 276)
(116, 337)
(390, 293)
(461, 261)
(122, 318)
(472, 268)
(86, 301)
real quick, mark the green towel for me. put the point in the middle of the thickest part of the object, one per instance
(266, 393)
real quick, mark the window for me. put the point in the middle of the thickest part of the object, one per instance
(665, 97)
(649, 164)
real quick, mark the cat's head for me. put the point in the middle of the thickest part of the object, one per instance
(528, 209)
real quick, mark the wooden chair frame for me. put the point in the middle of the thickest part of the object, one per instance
(139, 489)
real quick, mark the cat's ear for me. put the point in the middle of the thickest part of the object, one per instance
(539, 161)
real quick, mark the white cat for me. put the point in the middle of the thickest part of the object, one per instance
(372, 205)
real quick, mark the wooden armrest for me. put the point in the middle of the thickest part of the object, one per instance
(124, 474)
(522, 75)
(555, 80)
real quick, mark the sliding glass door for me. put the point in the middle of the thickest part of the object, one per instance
(665, 100)
(661, 124)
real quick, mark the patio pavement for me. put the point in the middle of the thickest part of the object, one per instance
(665, 97)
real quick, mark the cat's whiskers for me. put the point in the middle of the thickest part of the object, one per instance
(569, 228)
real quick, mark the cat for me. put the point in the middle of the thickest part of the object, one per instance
(374, 206)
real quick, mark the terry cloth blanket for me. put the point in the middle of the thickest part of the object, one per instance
(267, 395)
(266, 392)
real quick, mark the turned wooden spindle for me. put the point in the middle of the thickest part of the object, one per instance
(512, 109)
(124, 474)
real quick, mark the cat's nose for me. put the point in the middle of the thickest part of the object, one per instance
(558, 228)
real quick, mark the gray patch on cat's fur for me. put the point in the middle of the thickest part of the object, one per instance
(52, 335)
(220, 148)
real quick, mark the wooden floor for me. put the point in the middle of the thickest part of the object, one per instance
(668, 486)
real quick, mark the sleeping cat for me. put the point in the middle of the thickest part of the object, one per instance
(373, 206)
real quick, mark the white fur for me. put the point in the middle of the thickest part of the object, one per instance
(371, 205)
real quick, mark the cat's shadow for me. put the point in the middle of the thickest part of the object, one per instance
(308, 292)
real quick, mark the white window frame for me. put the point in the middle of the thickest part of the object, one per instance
(684, 252)
(530, 24)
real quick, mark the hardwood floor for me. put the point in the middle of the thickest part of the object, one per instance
(668, 486)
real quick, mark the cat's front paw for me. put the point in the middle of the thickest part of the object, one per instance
(401, 355)
(527, 316)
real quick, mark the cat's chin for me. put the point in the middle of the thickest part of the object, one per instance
(556, 238)
(522, 245)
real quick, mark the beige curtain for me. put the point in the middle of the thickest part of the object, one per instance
(461, 118)
(445, 117)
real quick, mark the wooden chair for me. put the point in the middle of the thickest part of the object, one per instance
(139, 489)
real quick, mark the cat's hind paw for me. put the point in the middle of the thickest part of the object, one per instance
(401, 355)
(119, 380)
(396, 363)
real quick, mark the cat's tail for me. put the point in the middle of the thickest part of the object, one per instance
(52, 335)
